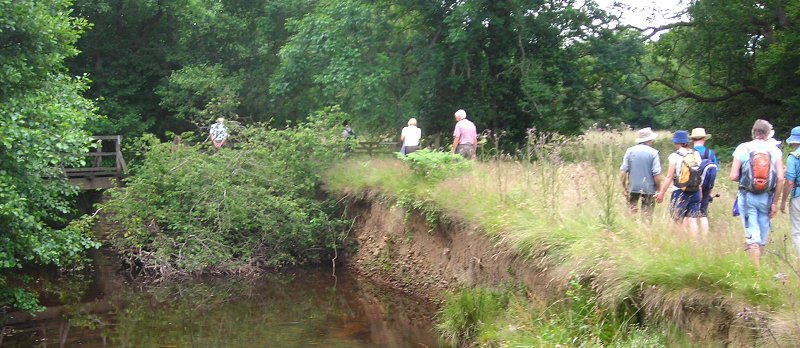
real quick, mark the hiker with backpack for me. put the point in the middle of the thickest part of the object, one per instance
(709, 167)
(790, 188)
(640, 173)
(758, 167)
(685, 176)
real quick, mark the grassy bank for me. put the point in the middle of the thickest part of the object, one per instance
(560, 205)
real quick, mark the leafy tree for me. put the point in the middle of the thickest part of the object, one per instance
(728, 64)
(43, 114)
(156, 64)
(193, 91)
(511, 64)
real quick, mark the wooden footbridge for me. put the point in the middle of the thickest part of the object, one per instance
(104, 168)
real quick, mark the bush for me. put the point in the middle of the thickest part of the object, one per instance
(435, 165)
(191, 209)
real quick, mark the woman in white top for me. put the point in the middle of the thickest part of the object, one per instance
(410, 137)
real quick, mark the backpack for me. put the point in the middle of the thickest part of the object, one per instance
(795, 154)
(709, 171)
(691, 175)
(758, 174)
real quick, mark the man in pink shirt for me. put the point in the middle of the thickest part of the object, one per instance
(465, 136)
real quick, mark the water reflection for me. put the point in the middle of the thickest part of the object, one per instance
(305, 309)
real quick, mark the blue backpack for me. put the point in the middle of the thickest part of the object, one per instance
(709, 170)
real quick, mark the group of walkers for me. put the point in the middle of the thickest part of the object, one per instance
(765, 183)
(757, 166)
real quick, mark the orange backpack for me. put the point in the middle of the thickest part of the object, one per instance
(758, 173)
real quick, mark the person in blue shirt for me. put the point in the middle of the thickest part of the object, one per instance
(699, 137)
(790, 186)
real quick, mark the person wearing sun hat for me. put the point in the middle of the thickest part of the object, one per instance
(684, 205)
(640, 173)
(699, 137)
(790, 188)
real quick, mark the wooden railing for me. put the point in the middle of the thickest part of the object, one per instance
(374, 147)
(100, 175)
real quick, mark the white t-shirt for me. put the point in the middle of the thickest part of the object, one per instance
(411, 135)
(676, 158)
(742, 151)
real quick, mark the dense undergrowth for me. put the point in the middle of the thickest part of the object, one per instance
(559, 203)
(254, 203)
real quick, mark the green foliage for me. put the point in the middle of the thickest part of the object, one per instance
(194, 91)
(467, 312)
(500, 318)
(512, 64)
(192, 209)
(156, 64)
(436, 165)
(43, 116)
(730, 63)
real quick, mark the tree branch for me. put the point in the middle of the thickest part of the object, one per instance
(682, 93)
(658, 29)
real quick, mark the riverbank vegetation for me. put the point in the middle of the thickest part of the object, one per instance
(561, 209)
(193, 209)
(43, 114)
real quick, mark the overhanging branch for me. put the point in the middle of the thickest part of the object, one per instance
(656, 30)
(682, 93)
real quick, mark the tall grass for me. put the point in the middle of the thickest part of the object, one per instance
(562, 204)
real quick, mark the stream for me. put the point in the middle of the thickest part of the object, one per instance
(302, 308)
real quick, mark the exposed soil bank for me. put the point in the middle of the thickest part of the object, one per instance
(400, 250)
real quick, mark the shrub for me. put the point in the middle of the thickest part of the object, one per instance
(435, 165)
(190, 209)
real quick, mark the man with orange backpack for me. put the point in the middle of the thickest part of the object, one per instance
(758, 167)
(685, 176)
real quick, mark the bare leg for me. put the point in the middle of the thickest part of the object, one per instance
(703, 226)
(690, 226)
(754, 251)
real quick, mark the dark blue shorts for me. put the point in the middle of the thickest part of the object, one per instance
(684, 204)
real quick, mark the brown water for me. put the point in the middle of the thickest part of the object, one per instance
(307, 308)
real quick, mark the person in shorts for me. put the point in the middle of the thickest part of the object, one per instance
(790, 188)
(699, 137)
(640, 174)
(684, 205)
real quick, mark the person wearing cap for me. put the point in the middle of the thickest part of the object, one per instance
(790, 190)
(684, 205)
(756, 209)
(218, 133)
(640, 173)
(465, 136)
(409, 136)
(699, 137)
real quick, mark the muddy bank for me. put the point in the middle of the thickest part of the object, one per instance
(399, 249)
